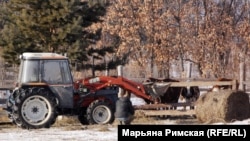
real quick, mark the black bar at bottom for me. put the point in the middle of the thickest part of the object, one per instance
(188, 132)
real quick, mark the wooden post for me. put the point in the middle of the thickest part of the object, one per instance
(106, 66)
(93, 66)
(242, 77)
(119, 72)
(189, 70)
(234, 84)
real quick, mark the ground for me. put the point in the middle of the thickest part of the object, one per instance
(68, 128)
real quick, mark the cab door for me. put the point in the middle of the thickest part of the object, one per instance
(57, 74)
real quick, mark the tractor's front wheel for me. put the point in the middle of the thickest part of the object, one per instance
(100, 112)
(35, 109)
(82, 117)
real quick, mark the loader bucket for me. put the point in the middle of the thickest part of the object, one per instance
(156, 89)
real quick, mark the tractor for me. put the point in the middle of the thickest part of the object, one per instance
(46, 89)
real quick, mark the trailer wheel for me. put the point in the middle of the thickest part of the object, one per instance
(100, 112)
(35, 109)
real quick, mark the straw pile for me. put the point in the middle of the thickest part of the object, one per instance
(223, 106)
(3, 116)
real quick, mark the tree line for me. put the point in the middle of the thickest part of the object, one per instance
(213, 35)
(53, 26)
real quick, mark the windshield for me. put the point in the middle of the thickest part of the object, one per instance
(49, 71)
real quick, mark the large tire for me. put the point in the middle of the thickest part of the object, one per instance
(82, 117)
(100, 112)
(10, 103)
(9, 107)
(34, 108)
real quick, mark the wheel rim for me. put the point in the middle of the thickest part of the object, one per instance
(36, 110)
(101, 114)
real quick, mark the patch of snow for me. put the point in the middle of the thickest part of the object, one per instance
(58, 134)
(137, 101)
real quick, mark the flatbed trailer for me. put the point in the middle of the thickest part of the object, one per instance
(153, 106)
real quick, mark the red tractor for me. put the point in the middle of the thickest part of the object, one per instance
(45, 89)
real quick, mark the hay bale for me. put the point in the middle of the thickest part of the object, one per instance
(225, 105)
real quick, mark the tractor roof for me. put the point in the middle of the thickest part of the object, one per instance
(42, 55)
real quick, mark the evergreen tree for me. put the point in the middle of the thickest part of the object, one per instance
(40, 25)
(102, 47)
(52, 26)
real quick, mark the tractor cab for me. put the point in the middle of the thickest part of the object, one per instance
(47, 68)
(49, 71)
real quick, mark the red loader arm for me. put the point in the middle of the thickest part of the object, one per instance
(100, 82)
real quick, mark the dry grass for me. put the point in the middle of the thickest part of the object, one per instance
(140, 118)
(4, 120)
(73, 120)
(3, 116)
(72, 123)
(104, 129)
(66, 120)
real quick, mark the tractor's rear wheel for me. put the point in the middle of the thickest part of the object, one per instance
(100, 112)
(35, 109)
(9, 107)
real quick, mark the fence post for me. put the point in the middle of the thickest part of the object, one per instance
(234, 85)
(189, 70)
(242, 77)
(120, 73)
(119, 70)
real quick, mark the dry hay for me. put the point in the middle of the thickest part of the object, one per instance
(3, 116)
(66, 120)
(140, 118)
(223, 106)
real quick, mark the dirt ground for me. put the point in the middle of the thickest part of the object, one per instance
(69, 128)
(72, 121)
